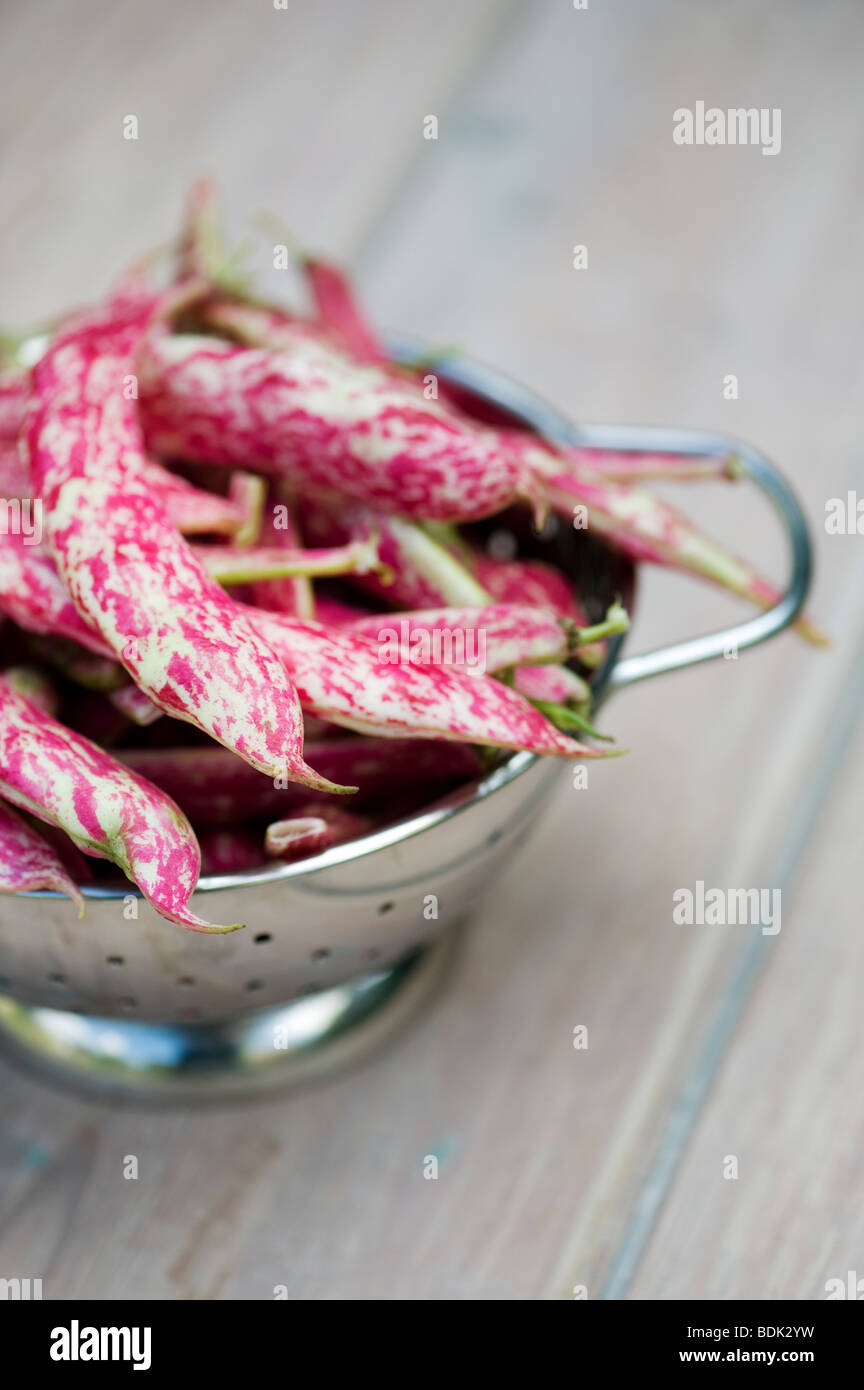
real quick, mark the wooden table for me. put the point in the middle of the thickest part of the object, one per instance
(559, 1168)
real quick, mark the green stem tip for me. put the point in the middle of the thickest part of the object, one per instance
(615, 622)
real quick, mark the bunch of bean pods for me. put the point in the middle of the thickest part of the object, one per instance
(247, 609)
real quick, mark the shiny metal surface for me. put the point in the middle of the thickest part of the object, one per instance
(336, 927)
(239, 1058)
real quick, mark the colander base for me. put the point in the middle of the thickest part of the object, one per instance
(252, 1054)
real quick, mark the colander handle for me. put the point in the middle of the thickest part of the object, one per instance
(757, 469)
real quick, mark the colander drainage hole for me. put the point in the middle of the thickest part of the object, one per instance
(254, 984)
(262, 938)
(115, 960)
(385, 907)
(322, 953)
(128, 1002)
(56, 978)
(186, 980)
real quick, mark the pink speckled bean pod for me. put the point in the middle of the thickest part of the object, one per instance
(230, 851)
(534, 582)
(553, 685)
(341, 677)
(339, 311)
(28, 863)
(129, 572)
(317, 418)
(649, 529)
(214, 787)
(503, 635)
(526, 581)
(194, 511)
(14, 476)
(106, 810)
(14, 385)
(33, 596)
(641, 525)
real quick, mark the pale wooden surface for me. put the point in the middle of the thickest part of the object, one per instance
(558, 1167)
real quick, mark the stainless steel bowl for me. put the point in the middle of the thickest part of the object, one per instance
(339, 949)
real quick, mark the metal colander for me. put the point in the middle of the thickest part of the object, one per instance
(339, 948)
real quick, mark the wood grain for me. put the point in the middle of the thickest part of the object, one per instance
(554, 128)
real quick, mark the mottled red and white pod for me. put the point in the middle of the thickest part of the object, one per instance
(646, 528)
(192, 510)
(106, 810)
(343, 678)
(317, 418)
(497, 635)
(33, 596)
(130, 574)
(13, 397)
(526, 581)
(552, 685)
(28, 863)
(230, 851)
(535, 582)
(338, 309)
(214, 787)
(14, 475)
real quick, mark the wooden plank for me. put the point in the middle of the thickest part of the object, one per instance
(301, 111)
(786, 1220)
